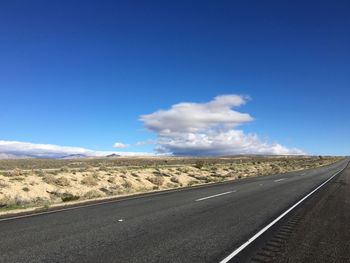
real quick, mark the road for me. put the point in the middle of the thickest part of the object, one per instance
(320, 232)
(194, 225)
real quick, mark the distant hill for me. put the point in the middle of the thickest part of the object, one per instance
(51, 156)
(112, 155)
(74, 156)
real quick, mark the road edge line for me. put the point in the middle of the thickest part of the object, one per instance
(263, 230)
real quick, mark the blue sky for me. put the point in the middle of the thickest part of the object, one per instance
(81, 73)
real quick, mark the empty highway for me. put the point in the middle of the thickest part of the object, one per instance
(204, 224)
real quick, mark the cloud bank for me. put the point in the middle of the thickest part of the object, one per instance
(16, 149)
(187, 128)
(208, 129)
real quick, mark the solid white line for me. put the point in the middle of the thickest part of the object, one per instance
(250, 240)
(278, 180)
(204, 198)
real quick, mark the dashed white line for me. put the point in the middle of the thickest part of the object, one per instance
(279, 180)
(204, 198)
(250, 240)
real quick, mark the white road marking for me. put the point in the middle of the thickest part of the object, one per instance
(204, 198)
(279, 180)
(114, 200)
(250, 240)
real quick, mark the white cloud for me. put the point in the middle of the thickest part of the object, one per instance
(193, 117)
(16, 149)
(120, 145)
(208, 129)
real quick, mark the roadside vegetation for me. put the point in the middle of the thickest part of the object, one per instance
(39, 182)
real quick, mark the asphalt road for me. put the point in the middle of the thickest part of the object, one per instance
(321, 234)
(194, 225)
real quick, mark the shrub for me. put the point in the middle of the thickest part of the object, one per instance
(62, 181)
(229, 174)
(157, 180)
(156, 172)
(64, 169)
(184, 170)
(39, 173)
(192, 175)
(103, 168)
(123, 171)
(199, 164)
(92, 194)
(3, 184)
(17, 201)
(54, 172)
(134, 174)
(127, 184)
(14, 172)
(25, 189)
(20, 201)
(49, 179)
(174, 179)
(213, 169)
(17, 178)
(200, 177)
(106, 191)
(111, 180)
(171, 185)
(66, 197)
(95, 174)
(192, 182)
(210, 179)
(89, 181)
(4, 201)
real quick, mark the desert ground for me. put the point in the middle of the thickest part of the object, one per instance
(42, 183)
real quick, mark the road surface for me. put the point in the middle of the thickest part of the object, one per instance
(194, 225)
(317, 232)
